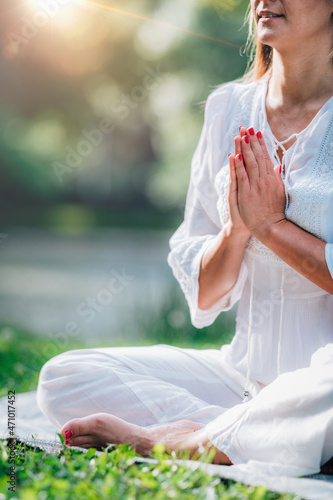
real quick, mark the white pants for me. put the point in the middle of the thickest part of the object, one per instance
(287, 426)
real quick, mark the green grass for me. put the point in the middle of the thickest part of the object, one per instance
(114, 474)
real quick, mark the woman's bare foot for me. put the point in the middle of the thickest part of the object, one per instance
(195, 443)
(100, 429)
(160, 433)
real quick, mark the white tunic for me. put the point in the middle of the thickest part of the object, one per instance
(286, 426)
(282, 318)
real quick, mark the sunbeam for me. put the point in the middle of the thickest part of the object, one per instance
(123, 12)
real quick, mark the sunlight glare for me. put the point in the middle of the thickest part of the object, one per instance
(55, 8)
(64, 13)
(52, 4)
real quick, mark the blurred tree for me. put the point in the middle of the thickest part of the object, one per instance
(100, 102)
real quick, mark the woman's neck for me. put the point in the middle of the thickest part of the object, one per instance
(297, 89)
(296, 81)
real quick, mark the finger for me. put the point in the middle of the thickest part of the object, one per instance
(233, 190)
(242, 177)
(261, 155)
(233, 177)
(277, 170)
(243, 131)
(250, 160)
(238, 147)
(269, 164)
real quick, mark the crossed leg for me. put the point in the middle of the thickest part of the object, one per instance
(139, 396)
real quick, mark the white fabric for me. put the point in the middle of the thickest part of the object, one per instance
(143, 385)
(288, 426)
(291, 318)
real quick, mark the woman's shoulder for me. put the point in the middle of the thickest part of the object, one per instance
(234, 91)
(231, 95)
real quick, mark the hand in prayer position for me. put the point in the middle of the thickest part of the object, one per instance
(256, 192)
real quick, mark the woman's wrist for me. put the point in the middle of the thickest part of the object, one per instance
(220, 265)
(268, 232)
(237, 235)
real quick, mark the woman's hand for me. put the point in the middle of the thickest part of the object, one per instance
(260, 190)
(236, 221)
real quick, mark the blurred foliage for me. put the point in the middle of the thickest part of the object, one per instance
(172, 325)
(102, 102)
(22, 355)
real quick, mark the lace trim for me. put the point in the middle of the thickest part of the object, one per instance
(185, 260)
(262, 251)
(308, 203)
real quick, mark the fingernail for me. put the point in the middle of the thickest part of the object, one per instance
(259, 135)
(247, 139)
(67, 443)
(251, 130)
(68, 434)
(229, 154)
(240, 157)
(240, 126)
(280, 169)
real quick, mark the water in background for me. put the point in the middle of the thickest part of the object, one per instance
(110, 285)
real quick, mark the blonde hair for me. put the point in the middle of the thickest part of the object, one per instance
(259, 55)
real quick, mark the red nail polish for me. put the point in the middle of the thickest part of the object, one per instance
(240, 126)
(251, 131)
(229, 154)
(280, 169)
(66, 443)
(68, 434)
(240, 157)
(247, 139)
(259, 135)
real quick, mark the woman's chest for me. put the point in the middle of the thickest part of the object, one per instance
(308, 181)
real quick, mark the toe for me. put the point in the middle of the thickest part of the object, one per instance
(82, 442)
(86, 427)
(74, 428)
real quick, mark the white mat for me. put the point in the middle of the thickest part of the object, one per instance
(30, 421)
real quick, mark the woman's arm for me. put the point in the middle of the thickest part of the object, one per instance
(300, 250)
(261, 204)
(220, 265)
(202, 223)
(221, 262)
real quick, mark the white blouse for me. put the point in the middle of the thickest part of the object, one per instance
(282, 317)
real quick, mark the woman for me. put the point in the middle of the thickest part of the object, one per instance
(257, 229)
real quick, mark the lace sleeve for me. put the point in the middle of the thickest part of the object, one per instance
(202, 221)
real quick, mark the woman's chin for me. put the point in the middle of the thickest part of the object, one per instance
(273, 37)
